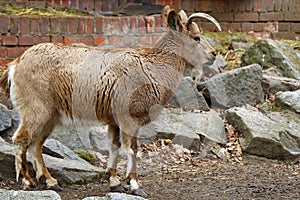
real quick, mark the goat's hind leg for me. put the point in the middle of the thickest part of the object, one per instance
(21, 140)
(35, 150)
(111, 171)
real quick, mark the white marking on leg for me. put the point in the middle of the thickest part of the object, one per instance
(114, 181)
(35, 163)
(113, 157)
(134, 185)
(18, 160)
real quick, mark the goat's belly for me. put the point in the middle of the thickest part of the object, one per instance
(68, 122)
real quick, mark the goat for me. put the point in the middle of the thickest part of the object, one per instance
(53, 84)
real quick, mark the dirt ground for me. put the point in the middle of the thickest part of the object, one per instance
(164, 177)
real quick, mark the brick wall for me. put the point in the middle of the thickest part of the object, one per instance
(19, 33)
(260, 18)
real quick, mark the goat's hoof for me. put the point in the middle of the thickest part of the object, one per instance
(28, 184)
(55, 187)
(139, 192)
(118, 188)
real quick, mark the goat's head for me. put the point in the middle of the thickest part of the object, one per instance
(194, 47)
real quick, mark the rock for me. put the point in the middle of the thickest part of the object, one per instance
(290, 121)
(271, 53)
(262, 135)
(240, 44)
(274, 84)
(115, 196)
(67, 171)
(216, 67)
(289, 100)
(55, 148)
(187, 96)
(5, 118)
(234, 88)
(185, 127)
(32, 195)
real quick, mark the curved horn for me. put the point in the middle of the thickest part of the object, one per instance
(183, 15)
(203, 15)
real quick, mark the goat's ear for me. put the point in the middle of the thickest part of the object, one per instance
(174, 21)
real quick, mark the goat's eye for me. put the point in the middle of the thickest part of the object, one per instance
(197, 39)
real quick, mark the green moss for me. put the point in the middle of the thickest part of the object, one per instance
(86, 156)
(37, 9)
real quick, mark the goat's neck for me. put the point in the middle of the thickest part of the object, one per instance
(171, 47)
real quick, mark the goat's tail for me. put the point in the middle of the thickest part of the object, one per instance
(4, 79)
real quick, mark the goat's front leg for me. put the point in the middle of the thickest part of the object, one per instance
(111, 171)
(130, 145)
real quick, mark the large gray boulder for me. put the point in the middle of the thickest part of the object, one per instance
(234, 88)
(115, 196)
(5, 118)
(289, 100)
(83, 137)
(67, 171)
(30, 195)
(264, 136)
(185, 128)
(272, 53)
(274, 84)
(187, 96)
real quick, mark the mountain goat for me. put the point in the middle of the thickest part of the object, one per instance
(55, 84)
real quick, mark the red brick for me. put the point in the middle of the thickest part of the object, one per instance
(74, 4)
(73, 24)
(224, 17)
(158, 21)
(141, 25)
(14, 25)
(98, 6)
(3, 52)
(247, 26)
(54, 25)
(14, 52)
(115, 25)
(87, 40)
(271, 16)
(70, 40)
(284, 35)
(292, 16)
(125, 28)
(277, 5)
(24, 25)
(81, 29)
(258, 26)
(145, 40)
(133, 25)
(295, 27)
(90, 25)
(34, 26)
(115, 40)
(3, 24)
(128, 41)
(44, 25)
(56, 39)
(283, 26)
(26, 41)
(105, 6)
(246, 17)
(41, 39)
(64, 26)
(98, 40)
(9, 40)
(5, 61)
(249, 5)
(65, 3)
(234, 26)
(98, 24)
